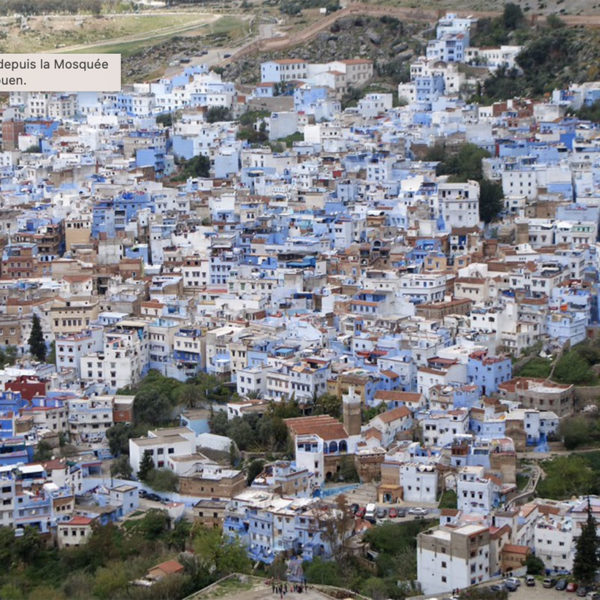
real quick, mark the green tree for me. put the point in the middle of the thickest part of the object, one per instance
(218, 113)
(234, 455)
(585, 563)
(118, 438)
(512, 16)
(11, 591)
(464, 163)
(575, 432)
(43, 451)
(535, 565)
(166, 119)
(328, 404)
(146, 466)
(37, 344)
(254, 469)
(241, 433)
(180, 535)
(28, 547)
(324, 572)
(191, 395)
(348, 470)
(590, 112)
(46, 592)
(162, 480)
(490, 200)
(217, 555)
(218, 422)
(566, 476)
(197, 166)
(153, 406)
(110, 580)
(573, 368)
(154, 524)
(374, 588)
(121, 468)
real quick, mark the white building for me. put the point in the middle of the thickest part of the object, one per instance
(419, 483)
(451, 558)
(441, 428)
(89, 418)
(459, 204)
(162, 444)
(71, 348)
(554, 541)
(475, 491)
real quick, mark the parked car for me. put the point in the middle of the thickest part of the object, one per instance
(593, 596)
(370, 511)
(513, 580)
(354, 508)
(561, 585)
(142, 493)
(549, 582)
(154, 497)
(381, 513)
(361, 512)
(418, 511)
(496, 588)
(510, 586)
(226, 55)
(401, 512)
(572, 586)
(393, 514)
(530, 580)
(582, 591)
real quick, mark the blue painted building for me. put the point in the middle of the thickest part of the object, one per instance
(487, 372)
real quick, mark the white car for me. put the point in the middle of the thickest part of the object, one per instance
(419, 512)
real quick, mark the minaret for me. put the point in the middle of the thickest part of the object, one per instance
(352, 415)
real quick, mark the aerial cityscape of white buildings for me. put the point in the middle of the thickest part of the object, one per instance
(330, 259)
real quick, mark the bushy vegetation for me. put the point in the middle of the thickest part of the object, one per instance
(448, 499)
(395, 544)
(295, 7)
(158, 402)
(113, 557)
(218, 113)
(255, 433)
(197, 166)
(500, 30)
(573, 367)
(581, 430)
(535, 565)
(536, 367)
(590, 113)
(552, 57)
(586, 561)
(44, 7)
(573, 475)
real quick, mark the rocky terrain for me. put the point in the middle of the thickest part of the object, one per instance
(390, 43)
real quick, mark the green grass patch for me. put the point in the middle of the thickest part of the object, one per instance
(536, 367)
(232, 26)
(567, 476)
(522, 481)
(448, 499)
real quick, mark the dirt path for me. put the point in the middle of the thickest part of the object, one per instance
(407, 14)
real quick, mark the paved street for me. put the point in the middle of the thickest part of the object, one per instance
(538, 592)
